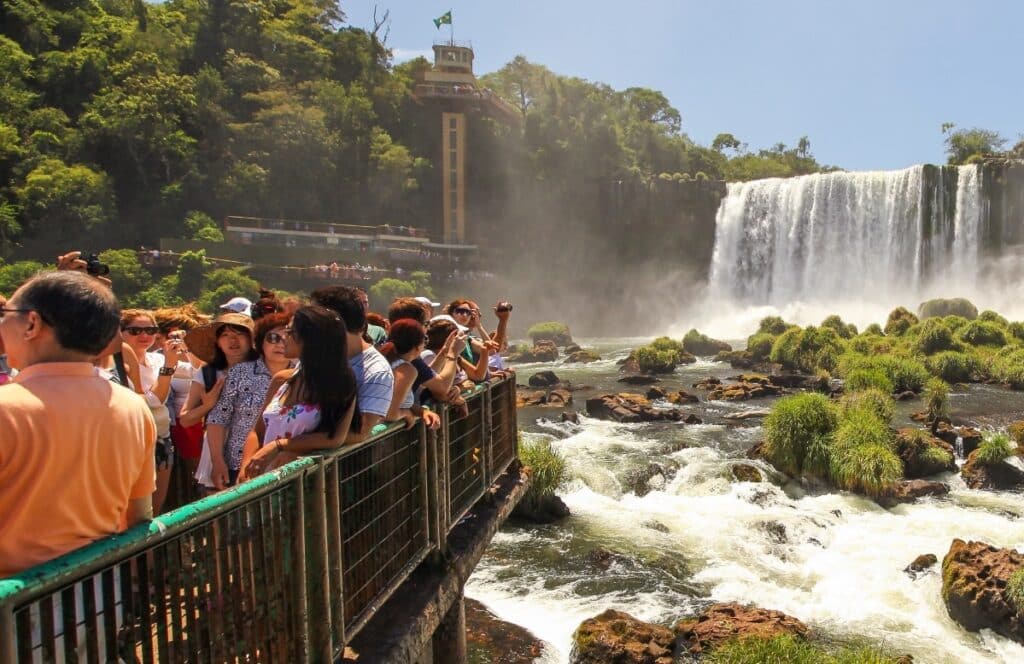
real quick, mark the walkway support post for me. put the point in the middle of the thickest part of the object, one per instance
(450, 637)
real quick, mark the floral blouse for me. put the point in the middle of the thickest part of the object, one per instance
(284, 421)
(245, 390)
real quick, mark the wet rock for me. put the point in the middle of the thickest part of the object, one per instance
(572, 348)
(629, 365)
(603, 559)
(542, 351)
(491, 639)
(971, 439)
(548, 510)
(747, 415)
(907, 491)
(558, 398)
(642, 481)
(744, 472)
(544, 379)
(737, 359)
(974, 578)
(531, 398)
(998, 476)
(837, 513)
(583, 357)
(905, 396)
(724, 622)
(631, 408)
(708, 383)
(656, 393)
(921, 456)
(682, 396)
(776, 531)
(744, 390)
(655, 525)
(794, 381)
(639, 379)
(615, 637)
(757, 451)
(571, 416)
(948, 433)
(921, 565)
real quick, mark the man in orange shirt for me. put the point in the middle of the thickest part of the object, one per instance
(76, 451)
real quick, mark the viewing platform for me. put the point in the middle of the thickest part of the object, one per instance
(361, 552)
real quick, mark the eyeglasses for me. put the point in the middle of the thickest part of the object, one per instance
(136, 331)
(5, 310)
(276, 338)
(463, 311)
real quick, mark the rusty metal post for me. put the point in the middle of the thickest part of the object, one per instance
(335, 507)
(318, 586)
(449, 642)
(298, 551)
(7, 634)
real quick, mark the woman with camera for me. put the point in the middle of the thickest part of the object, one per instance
(139, 330)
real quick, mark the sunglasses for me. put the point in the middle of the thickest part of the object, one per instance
(463, 311)
(5, 310)
(136, 331)
(277, 338)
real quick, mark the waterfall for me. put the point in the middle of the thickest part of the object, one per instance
(881, 237)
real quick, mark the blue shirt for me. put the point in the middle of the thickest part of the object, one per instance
(375, 382)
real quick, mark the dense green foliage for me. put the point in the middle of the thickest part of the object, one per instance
(797, 431)
(807, 349)
(1015, 590)
(994, 449)
(864, 378)
(937, 398)
(549, 331)
(941, 308)
(900, 320)
(760, 345)
(662, 355)
(952, 366)
(932, 336)
(787, 649)
(872, 399)
(863, 458)
(982, 333)
(701, 344)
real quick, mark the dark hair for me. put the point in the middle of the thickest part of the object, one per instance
(83, 313)
(344, 301)
(405, 334)
(325, 378)
(437, 333)
(267, 304)
(265, 325)
(408, 307)
(455, 304)
(220, 360)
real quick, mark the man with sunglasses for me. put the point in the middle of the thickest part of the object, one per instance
(76, 451)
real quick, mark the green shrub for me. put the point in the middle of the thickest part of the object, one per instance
(994, 449)
(760, 345)
(954, 323)
(772, 325)
(905, 373)
(808, 350)
(701, 344)
(549, 331)
(862, 456)
(942, 308)
(836, 324)
(935, 456)
(866, 378)
(982, 333)
(548, 469)
(1015, 590)
(874, 328)
(900, 320)
(871, 399)
(652, 360)
(795, 425)
(952, 366)
(933, 336)
(990, 316)
(1008, 366)
(789, 649)
(12, 276)
(937, 398)
(1016, 330)
(1016, 433)
(665, 343)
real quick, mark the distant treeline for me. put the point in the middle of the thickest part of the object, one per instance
(123, 121)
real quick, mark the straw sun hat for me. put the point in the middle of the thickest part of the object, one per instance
(202, 340)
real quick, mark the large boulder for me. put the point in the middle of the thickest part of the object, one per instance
(583, 357)
(556, 398)
(998, 476)
(907, 491)
(543, 351)
(701, 344)
(922, 454)
(942, 307)
(631, 408)
(974, 578)
(498, 640)
(969, 437)
(544, 379)
(615, 637)
(724, 622)
(744, 390)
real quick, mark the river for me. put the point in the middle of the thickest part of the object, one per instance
(833, 560)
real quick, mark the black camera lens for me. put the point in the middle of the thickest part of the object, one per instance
(96, 268)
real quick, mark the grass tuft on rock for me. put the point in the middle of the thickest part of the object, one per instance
(994, 449)
(548, 469)
(936, 397)
(872, 399)
(701, 344)
(789, 649)
(933, 336)
(952, 366)
(868, 378)
(550, 331)
(982, 333)
(900, 320)
(1015, 590)
(760, 345)
(863, 458)
(797, 424)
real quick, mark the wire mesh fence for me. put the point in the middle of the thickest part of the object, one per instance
(467, 438)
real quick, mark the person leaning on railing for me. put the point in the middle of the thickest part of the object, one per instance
(313, 408)
(76, 451)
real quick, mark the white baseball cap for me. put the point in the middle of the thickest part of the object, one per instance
(461, 328)
(239, 305)
(426, 301)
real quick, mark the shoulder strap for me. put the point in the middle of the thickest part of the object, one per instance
(122, 373)
(209, 377)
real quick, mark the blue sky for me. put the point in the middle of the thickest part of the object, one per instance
(868, 81)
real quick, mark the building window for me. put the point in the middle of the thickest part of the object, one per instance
(455, 201)
(454, 179)
(453, 139)
(453, 123)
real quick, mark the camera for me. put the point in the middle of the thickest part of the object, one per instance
(503, 306)
(94, 267)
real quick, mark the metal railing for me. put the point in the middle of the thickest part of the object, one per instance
(285, 568)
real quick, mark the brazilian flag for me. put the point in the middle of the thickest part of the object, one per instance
(443, 19)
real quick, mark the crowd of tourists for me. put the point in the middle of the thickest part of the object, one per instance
(98, 404)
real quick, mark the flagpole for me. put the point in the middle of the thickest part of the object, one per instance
(451, 32)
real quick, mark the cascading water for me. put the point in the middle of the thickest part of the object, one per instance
(886, 237)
